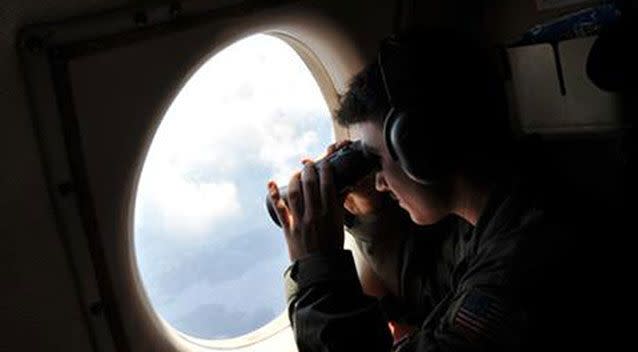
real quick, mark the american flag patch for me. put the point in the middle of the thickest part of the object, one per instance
(479, 317)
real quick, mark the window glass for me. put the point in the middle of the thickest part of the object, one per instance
(210, 259)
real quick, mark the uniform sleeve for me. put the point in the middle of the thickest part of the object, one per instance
(328, 310)
(486, 310)
(326, 303)
(477, 319)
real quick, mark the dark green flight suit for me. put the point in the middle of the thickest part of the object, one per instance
(489, 287)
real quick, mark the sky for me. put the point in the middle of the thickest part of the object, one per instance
(210, 258)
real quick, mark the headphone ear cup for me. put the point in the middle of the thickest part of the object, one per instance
(389, 121)
(408, 146)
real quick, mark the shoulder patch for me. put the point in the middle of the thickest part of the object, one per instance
(479, 317)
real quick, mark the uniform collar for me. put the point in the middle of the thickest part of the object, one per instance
(500, 207)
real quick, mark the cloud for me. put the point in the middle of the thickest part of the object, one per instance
(184, 207)
(239, 113)
(249, 114)
(251, 294)
(236, 323)
(282, 149)
(258, 254)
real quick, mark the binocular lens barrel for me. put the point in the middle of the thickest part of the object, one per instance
(350, 164)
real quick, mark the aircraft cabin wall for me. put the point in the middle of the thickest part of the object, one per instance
(47, 297)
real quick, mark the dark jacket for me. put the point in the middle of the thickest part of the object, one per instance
(495, 286)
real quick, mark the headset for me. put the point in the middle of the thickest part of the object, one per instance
(409, 139)
(428, 148)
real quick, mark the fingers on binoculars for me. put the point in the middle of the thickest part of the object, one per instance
(281, 210)
(295, 198)
(311, 191)
(327, 187)
(336, 146)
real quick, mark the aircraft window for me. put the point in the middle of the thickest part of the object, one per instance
(210, 258)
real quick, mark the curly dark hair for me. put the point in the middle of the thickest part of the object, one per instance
(366, 98)
(452, 85)
(449, 67)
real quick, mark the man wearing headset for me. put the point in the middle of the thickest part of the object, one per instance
(474, 276)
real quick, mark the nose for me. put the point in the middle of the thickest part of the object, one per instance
(379, 182)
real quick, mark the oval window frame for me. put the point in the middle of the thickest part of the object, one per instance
(331, 80)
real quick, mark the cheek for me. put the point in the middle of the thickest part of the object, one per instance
(427, 207)
(394, 174)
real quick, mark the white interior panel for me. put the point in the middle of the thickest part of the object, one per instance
(539, 104)
(535, 84)
(587, 107)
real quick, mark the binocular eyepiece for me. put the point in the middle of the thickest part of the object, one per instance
(349, 164)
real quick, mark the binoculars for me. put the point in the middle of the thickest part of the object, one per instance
(350, 164)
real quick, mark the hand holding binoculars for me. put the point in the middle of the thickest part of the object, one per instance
(350, 164)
